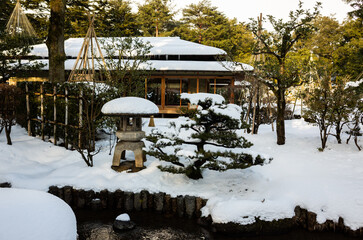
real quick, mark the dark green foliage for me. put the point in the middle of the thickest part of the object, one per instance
(10, 64)
(206, 127)
(281, 70)
(155, 17)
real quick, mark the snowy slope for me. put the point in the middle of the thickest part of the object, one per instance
(328, 183)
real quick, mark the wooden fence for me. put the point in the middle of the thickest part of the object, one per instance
(56, 94)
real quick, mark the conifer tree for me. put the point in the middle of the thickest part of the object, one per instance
(155, 17)
(209, 130)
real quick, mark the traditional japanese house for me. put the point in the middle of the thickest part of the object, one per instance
(179, 66)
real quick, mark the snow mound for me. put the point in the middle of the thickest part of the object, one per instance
(123, 217)
(130, 105)
(194, 98)
(232, 110)
(30, 214)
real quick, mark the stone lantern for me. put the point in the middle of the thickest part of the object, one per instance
(129, 132)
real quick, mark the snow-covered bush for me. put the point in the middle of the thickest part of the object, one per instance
(204, 140)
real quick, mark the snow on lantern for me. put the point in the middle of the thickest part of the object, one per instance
(129, 131)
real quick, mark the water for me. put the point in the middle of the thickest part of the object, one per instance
(93, 225)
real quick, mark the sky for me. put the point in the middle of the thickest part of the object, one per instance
(243, 10)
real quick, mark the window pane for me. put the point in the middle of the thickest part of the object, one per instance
(154, 90)
(172, 92)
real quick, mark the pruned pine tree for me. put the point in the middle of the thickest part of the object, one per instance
(278, 72)
(205, 140)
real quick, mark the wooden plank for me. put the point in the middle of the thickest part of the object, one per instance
(163, 92)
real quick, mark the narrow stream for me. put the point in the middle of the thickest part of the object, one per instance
(94, 225)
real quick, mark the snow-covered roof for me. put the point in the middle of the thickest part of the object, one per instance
(160, 46)
(162, 65)
(130, 106)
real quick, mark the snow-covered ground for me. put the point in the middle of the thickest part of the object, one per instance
(328, 183)
(29, 214)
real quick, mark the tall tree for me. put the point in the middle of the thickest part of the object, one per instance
(115, 19)
(204, 24)
(279, 74)
(155, 17)
(55, 41)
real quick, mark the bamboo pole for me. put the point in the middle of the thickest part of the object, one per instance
(28, 108)
(80, 119)
(66, 119)
(42, 109)
(55, 115)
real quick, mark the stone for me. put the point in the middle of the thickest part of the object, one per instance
(96, 204)
(143, 198)
(118, 197)
(88, 197)
(129, 201)
(67, 191)
(79, 198)
(121, 226)
(137, 201)
(110, 200)
(189, 206)
(180, 206)
(104, 198)
(5, 185)
(53, 190)
(159, 201)
(198, 206)
(167, 204)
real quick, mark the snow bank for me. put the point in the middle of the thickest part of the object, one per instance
(29, 214)
(328, 183)
(194, 98)
(130, 105)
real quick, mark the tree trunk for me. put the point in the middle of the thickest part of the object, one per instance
(8, 132)
(338, 131)
(280, 121)
(55, 41)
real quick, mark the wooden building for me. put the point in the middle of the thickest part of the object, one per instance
(179, 66)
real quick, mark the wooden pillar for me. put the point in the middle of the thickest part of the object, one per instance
(28, 109)
(163, 86)
(42, 109)
(180, 91)
(231, 98)
(197, 85)
(55, 114)
(66, 118)
(215, 85)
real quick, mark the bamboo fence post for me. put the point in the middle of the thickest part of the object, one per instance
(42, 109)
(80, 119)
(55, 114)
(66, 119)
(28, 109)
